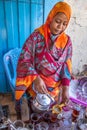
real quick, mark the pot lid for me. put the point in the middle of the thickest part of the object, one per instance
(43, 99)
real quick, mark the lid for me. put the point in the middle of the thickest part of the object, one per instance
(43, 99)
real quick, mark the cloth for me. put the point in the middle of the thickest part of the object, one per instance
(37, 58)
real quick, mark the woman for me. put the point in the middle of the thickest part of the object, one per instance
(45, 58)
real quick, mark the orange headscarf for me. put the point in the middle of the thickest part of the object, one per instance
(59, 7)
(44, 29)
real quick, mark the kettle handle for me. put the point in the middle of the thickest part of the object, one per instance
(52, 99)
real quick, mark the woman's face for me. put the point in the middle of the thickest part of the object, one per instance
(58, 24)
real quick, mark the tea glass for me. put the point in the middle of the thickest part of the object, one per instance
(35, 117)
(18, 124)
(46, 116)
(44, 125)
(53, 117)
(30, 126)
(54, 126)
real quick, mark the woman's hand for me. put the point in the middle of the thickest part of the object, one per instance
(65, 94)
(39, 85)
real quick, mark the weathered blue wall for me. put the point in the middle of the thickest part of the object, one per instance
(18, 18)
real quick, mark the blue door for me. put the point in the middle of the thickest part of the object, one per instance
(18, 18)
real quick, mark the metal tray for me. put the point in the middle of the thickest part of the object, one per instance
(76, 93)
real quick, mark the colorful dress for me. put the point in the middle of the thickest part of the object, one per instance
(39, 58)
(53, 65)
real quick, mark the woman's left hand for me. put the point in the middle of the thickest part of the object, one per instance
(65, 94)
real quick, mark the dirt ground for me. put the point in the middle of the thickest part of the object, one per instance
(6, 99)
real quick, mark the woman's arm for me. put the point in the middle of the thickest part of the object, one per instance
(26, 72)
(66, 73)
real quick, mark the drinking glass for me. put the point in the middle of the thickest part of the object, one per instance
(46, 116)
(65, 124)
(18, 124)
(44, 125)
(35, 117)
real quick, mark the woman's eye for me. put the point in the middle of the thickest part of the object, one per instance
(58, 21)
(65, 24)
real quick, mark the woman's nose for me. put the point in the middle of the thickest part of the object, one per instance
(60, 26)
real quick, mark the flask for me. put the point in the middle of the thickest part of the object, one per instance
(25, 110)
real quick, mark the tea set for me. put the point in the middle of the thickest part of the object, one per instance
(45, 111)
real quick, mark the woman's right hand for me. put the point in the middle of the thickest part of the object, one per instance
(39, 85)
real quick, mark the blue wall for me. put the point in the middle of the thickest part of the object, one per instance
(18, 18)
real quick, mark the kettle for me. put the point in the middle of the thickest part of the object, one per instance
(42, 102)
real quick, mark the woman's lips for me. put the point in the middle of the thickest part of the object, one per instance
(58, 31)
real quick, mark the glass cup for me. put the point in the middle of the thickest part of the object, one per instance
(46, 116)
(37, 127)
(18, 124)
(35, 117)
(44, 125)
(53, 117)
(65, 124)
(30, 126)
(75, 115)
(54, 126)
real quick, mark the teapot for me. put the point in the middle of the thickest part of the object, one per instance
(42, 102)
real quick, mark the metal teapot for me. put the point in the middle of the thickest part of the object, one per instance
(41, 102)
